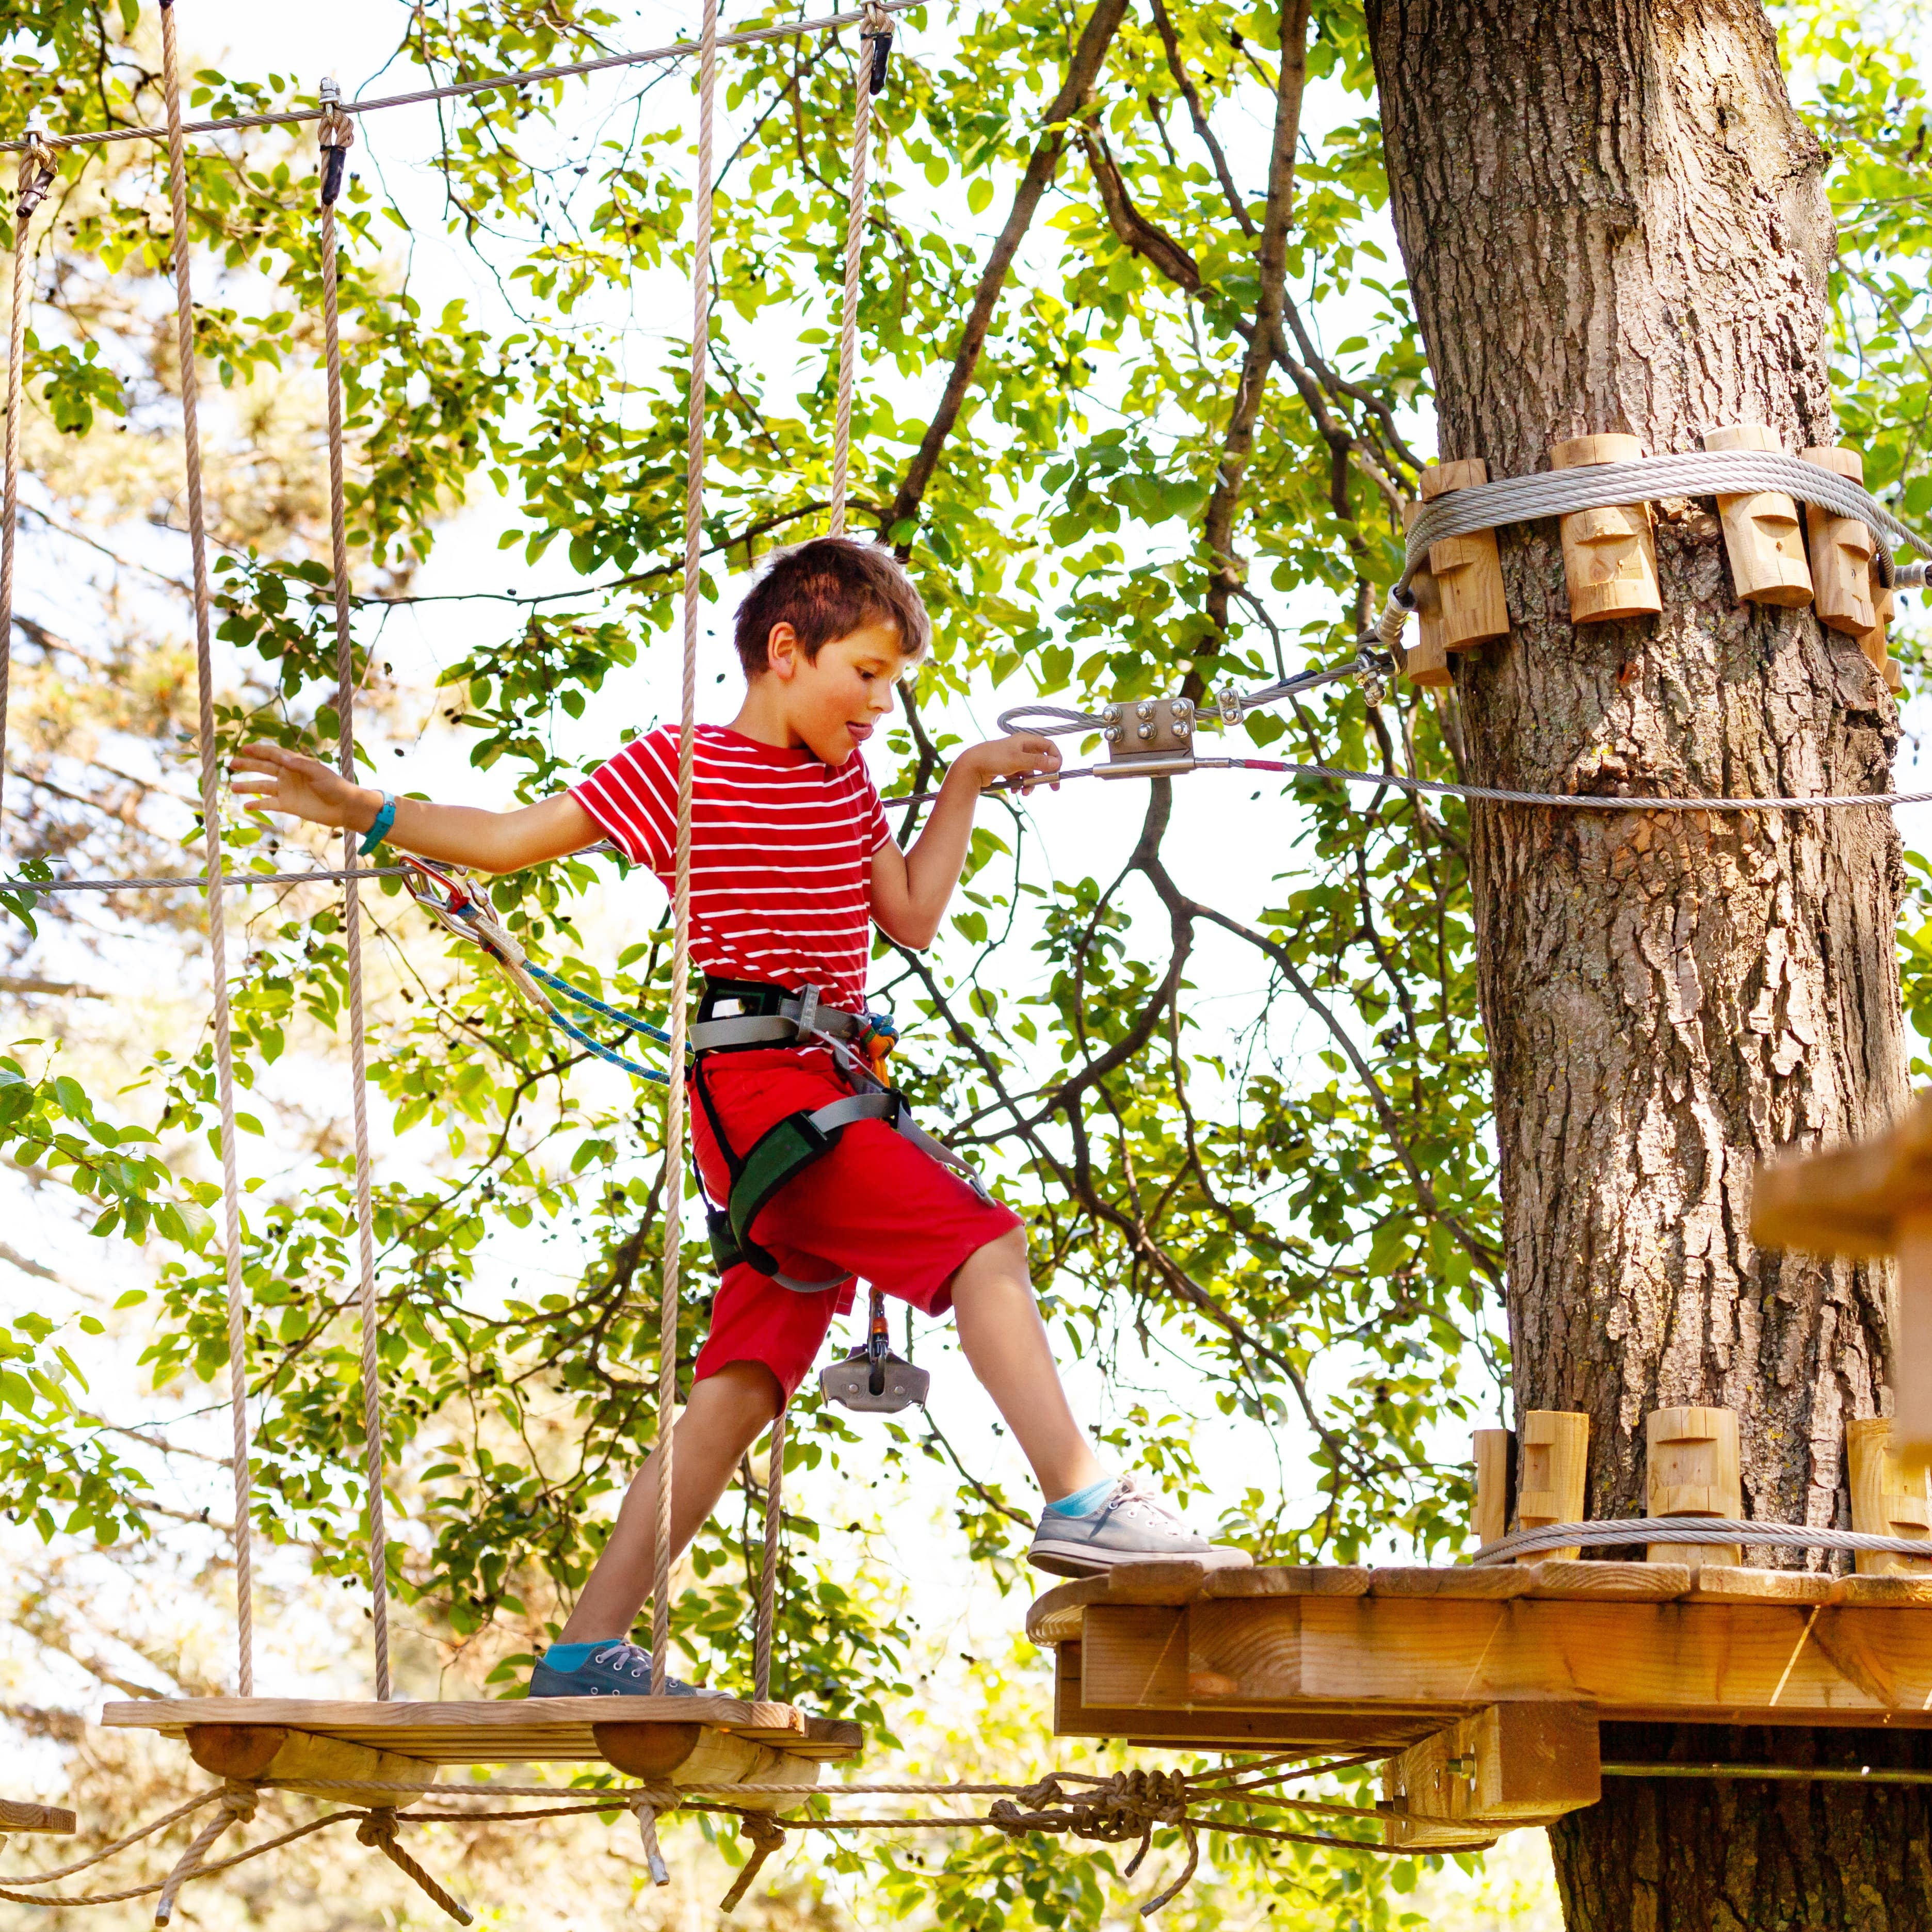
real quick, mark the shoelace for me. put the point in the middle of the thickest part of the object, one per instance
(639, 1660)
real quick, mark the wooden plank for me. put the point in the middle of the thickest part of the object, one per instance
(1610, 1582)
(1889, 1592)
(1709, 1662)
(1316, 1730)
(16, 1815)
(1485, 1583)
(1848, 1200)
(508, 1731)
(688, 1754)
(1349, 1579)
(1717, 1583)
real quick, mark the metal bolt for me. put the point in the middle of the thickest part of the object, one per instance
(1146, 707)
(1111, 715)
(1112, 734)
(1181, 727)
(1461, 1767)
(1145, 730)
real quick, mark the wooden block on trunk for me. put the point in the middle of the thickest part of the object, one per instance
(1609, 554)
(1894, 672)
(1761, 535)
(1469, 571)
(1552, 1454)
(1427, 661)
(303, 1762)
(16, 1815)
(1610, 1582)
(1886, 1499)
(1470, 1582)
(1842, 548)
(1692, 1470)
(1496, 1484)
(1508, 1766)
(1872, 1197)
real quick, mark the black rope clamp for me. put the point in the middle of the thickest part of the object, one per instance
(38, 166)
(335, 133)
(877, 30)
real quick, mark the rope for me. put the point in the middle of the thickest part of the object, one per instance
(687, 746)
(211, 817)
(336, 135)
(379, 1829)
(1703, 1529)
(767, 1836)
(35, 176)
(488, 83)
(237, 1808)
(867, 79)
(201, 1871)
(1130, 1804)
(768, 1569)
(645, 1804)
(107, 1852)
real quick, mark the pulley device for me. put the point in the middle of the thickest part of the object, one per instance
(871, 1379)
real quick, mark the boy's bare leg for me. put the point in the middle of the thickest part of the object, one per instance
(726, 1414)
(1006, 1342)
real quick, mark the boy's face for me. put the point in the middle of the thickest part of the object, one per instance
(831, 704)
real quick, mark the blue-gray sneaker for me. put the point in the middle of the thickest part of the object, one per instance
(1130, 1524)
(613, 1669)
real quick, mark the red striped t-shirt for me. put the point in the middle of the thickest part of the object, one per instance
(782, 849)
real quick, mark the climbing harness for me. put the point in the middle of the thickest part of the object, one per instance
(741, 1016)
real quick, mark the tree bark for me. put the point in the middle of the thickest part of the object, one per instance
(1613, 221)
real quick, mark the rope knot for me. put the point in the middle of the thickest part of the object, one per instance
(646, 1802)
(1129, 1804)
(239, 1801)
(38, 166)
(335, 133)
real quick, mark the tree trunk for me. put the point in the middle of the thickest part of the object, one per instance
(1612, 221)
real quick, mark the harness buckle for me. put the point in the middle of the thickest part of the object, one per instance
(807, 1011)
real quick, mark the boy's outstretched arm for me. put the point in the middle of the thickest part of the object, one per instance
(462, 835)
(910, 890)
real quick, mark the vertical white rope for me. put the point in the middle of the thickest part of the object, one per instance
(768, 1573)
(855, 236)
(336, 135)
(687, 746)
(211, 817)
(35, 177)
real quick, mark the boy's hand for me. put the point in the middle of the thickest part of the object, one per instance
(303, 786)
(1024, 754)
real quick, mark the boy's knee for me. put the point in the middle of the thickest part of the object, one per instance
(1003, 1258)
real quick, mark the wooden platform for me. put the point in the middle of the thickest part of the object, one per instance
(510, 1731)
(17, 1815)
(1359, 1659)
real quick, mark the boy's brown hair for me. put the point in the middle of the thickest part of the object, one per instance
(825, 589)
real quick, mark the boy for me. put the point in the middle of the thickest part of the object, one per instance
(792, 865)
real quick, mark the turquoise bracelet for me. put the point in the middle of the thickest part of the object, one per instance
(378, 831)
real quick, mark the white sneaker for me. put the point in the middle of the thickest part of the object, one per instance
(1132, 1525)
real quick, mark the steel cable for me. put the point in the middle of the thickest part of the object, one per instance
(179, 250)
(1705, 1529)
(488, 83)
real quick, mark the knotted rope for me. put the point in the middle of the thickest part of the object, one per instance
(36, 175)
(379, 1829)
(210, 819)
(237, 1807)
(335, 135)
(767, 1836)
(645, 1804)
(687, 749)
(868, 77)
(1130, 1804)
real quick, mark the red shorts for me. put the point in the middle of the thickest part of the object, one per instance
(875, 1207)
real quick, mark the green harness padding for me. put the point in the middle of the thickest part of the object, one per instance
(778, 1156)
